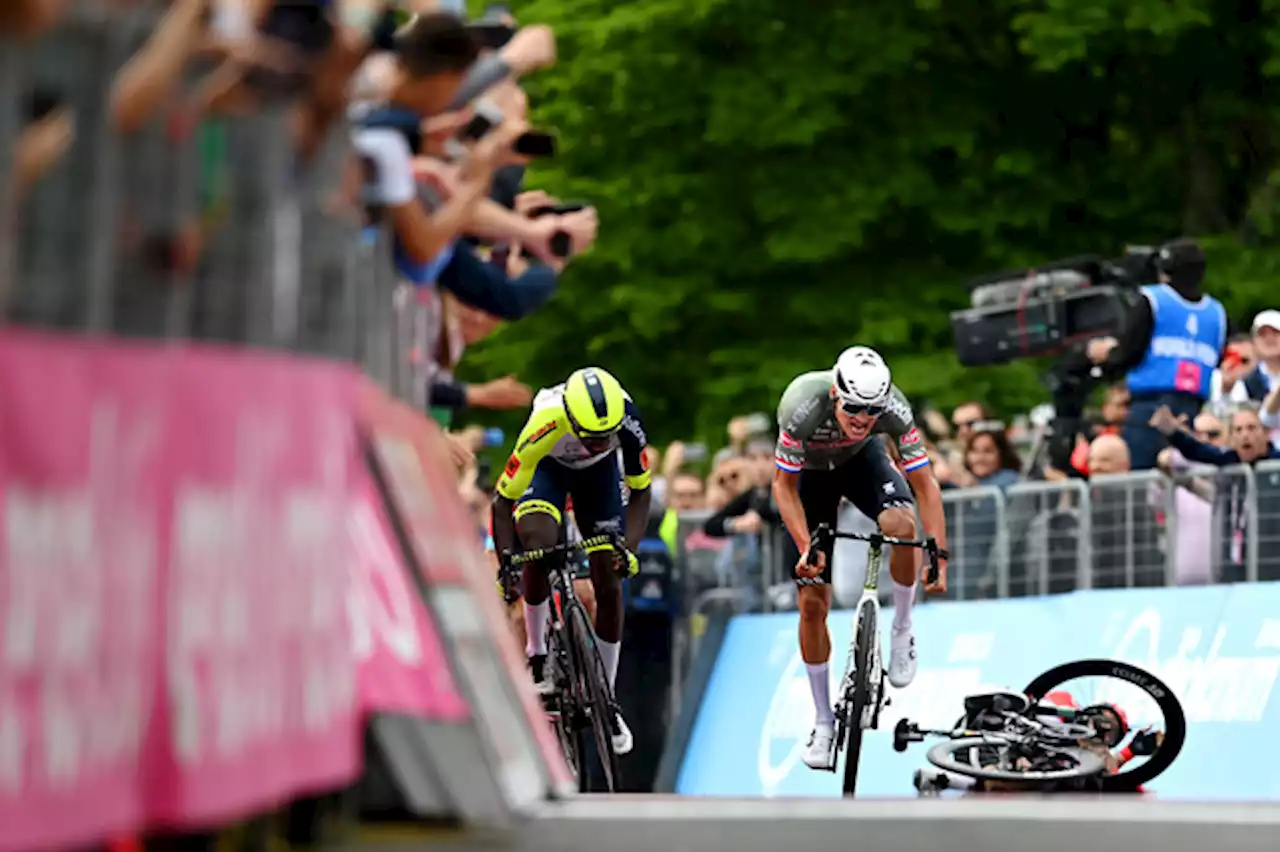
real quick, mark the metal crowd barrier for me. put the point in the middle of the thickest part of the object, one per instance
(1037, 538)
(202, 227)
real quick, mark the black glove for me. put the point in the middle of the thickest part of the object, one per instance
(1145, 743)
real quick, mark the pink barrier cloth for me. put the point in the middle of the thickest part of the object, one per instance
(403, 665)
(173, 570)
(410, 449)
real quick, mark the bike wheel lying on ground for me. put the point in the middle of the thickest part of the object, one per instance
(594, 697)
(988, 758)
(1175, 720)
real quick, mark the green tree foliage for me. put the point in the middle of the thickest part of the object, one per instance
(779, 179)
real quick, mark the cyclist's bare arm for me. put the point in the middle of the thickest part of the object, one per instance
(786, 493)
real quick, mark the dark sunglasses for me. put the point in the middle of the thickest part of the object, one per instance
(853, 409)
(966, 424)
(1212, 434)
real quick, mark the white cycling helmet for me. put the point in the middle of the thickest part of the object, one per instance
(862, 378)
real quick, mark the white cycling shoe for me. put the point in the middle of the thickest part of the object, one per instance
(902, 658)
(622, 741)
(818, 753)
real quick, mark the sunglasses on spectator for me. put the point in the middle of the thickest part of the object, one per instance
(853, 409)
(966, 424)
(1211, 434)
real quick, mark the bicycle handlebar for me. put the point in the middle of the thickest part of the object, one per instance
(929, 545)
(509, 559)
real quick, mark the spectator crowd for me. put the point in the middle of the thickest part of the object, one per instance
(348, 177)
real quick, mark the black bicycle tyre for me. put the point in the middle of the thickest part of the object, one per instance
(566, 723)
(1175, 719)
(598, 703)
(941, 755)
(857, 704)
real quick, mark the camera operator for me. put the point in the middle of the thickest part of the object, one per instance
(1170, 346)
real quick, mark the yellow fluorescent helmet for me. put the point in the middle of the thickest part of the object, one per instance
(594, 403)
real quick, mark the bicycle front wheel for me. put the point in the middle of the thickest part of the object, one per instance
(597, 698)
(986, 758)
(565, 714)
(860, 694)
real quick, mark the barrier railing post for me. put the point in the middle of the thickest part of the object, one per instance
(1034, 525)
(12, 67)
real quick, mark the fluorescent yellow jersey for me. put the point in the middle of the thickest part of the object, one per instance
(547, 435)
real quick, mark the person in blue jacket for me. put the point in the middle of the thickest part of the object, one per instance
(1171, 344)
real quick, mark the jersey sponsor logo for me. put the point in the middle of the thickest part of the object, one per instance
(911, 437)
(537, 436)
(898, 407)
(789, 442)
(513, 466)
(633, 426)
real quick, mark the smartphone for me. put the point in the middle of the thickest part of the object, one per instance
(695, 453)
(487, 116)
(491, 35)
(557, 209)
(535, 143)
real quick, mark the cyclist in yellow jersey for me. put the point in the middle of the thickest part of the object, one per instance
(570, 446)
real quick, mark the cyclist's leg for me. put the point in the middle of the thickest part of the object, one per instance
(820, 497)
(880, 491)
(538, 513)
(597, 506)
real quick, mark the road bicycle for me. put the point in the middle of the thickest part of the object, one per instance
(862, 694)
(581, 704)
(1011, 740)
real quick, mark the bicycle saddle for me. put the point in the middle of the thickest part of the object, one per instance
(999, 701)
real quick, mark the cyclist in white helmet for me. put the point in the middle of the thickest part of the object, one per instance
(828, 450)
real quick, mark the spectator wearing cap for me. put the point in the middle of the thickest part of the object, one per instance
(1265, 374)
(1168, 351)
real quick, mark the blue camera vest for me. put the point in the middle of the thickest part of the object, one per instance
(1186, 344)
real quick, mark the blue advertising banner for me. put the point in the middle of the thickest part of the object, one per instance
(1218, 648)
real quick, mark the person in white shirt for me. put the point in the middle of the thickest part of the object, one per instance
(1265, 378)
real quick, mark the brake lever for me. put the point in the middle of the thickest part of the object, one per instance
(931, 547)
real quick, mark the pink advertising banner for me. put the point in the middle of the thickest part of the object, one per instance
(403, 665)
(174, 570)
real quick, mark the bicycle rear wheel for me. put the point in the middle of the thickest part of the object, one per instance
(974, 756)
(596, 696)
(860, 695)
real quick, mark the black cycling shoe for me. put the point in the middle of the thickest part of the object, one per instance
(537, 667)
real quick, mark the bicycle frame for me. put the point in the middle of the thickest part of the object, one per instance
(591, 698)
(867, 612)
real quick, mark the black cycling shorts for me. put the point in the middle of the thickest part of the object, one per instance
(869, 480)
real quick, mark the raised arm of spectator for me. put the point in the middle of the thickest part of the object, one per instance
(1193, 449)
(487, 287)
(1270, 412)
(719, 525)
(529, 49)
(150, 78)
(424, 235)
